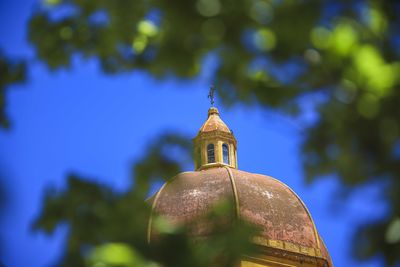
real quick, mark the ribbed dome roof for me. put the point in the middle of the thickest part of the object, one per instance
(286, 224)
(214, 122)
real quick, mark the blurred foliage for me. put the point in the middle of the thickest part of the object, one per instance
(109, 229)
(341, 57)
(10, 72)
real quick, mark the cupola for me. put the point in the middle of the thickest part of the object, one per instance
(214, 145)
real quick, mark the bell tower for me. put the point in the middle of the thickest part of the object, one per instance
(214, 145)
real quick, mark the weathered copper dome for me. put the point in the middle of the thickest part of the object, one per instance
(261, 200)
(288, 234)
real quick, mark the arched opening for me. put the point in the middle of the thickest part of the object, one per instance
(210, 153)
(225, 153)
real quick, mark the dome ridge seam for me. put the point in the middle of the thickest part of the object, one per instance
(235, 192)
(149, 225)
(305, 208)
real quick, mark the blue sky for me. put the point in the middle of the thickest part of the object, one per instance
(81, 121)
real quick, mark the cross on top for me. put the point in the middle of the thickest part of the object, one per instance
(211, 94)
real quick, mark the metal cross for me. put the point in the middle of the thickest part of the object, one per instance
(211, 94)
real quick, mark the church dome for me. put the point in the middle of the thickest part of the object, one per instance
(287, 231)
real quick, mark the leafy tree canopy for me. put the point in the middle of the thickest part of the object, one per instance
(343, 56)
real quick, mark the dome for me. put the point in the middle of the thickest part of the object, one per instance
(214, 122)
(285, 223)
(287, 237)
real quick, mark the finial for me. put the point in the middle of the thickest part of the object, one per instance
(211, 94)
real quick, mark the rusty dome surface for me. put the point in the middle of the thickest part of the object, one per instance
(261, 200)
(190, 195)
(214, 122)
(274, 207)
